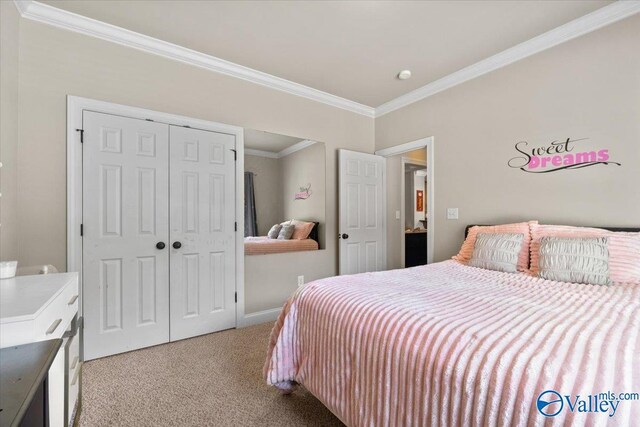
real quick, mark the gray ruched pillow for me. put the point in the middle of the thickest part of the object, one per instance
(575, 259)
(497, 251)
(274, 231)
(286, 232)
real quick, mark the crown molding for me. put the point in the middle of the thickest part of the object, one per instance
(50, 15)
(46, 14)
(296, 147)
(285, 152)
(260, 153)
(595, 20)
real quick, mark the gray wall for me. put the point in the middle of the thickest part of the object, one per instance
(268, 191)
(9, 39)
(299, 169)
(586, 88)
(55, 63)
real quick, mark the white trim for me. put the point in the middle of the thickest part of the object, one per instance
(585, 24)
(405, 148)
(46, 14)
(429, 143)
(260, 317)
(261, 153)
(285, 152)
(385, 220)
(75, 107)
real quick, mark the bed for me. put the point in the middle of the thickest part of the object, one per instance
(263, 245)
(447, 344)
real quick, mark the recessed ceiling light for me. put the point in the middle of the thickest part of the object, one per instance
(404, 74)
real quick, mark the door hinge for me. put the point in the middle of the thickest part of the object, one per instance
(81, 229)
(81, 135)
(235, 226)
(236, 297)
(235, 155)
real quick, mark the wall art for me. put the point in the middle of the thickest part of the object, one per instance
(558, 155)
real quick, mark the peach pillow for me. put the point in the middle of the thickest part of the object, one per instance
(302, 229)
(519, 228)
(624, 249)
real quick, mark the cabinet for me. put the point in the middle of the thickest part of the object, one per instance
(39, 308)
(415, 248)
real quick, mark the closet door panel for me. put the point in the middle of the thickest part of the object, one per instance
(125, 215)
(202, 193)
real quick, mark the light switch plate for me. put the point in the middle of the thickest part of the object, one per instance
(397, 214)
(452, 213)
(300, 280)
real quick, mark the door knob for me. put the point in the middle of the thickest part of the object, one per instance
(177, 245)
(345, 236)
(160, 245)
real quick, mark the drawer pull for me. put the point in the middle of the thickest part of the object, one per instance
(74, 363)
(75, 378)
(72, 300)
(53, 326)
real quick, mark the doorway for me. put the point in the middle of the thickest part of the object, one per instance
(421, 154)
(414, 210)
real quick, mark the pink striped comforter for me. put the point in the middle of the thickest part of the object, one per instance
(447, 344)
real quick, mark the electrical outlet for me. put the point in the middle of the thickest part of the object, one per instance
(300, 280)
(452, 213)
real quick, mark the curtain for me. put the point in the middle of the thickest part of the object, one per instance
(250, 220)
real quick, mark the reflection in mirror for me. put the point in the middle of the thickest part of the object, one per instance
(284, 193)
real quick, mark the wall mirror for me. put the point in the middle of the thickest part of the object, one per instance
(285, 180)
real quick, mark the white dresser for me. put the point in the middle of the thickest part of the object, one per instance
(44, 307)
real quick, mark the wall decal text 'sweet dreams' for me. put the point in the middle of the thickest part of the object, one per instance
(557, 156)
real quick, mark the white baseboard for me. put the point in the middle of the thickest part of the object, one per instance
(260, 317)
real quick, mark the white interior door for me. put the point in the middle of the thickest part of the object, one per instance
(361, 223)
(125, 220)
(202, 187)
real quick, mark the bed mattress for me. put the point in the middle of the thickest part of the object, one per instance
(447, 344)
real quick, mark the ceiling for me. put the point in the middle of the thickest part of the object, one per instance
(265, 141)
(352, 49)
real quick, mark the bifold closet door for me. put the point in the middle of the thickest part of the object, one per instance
(125, 225)
(202, 193)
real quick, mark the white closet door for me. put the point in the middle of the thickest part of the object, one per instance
(361, 212)
(202, 188)
(125, 218)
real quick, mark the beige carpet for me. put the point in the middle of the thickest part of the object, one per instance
(212, 380)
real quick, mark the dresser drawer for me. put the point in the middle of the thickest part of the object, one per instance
(55, 317)
(73, 376)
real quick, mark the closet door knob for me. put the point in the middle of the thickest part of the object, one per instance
(345, 236)
(177, 245)
(160, 245)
